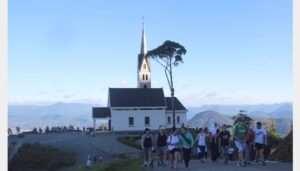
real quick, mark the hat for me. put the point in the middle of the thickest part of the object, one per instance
(162, 127)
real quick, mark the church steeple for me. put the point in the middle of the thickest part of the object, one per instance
(143, 68)
(143, 44)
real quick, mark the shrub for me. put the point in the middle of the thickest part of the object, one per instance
(36, 156)
(130, 141)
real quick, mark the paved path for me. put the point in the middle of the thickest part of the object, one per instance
(195, 165)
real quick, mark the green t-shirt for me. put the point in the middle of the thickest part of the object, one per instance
(240, 132)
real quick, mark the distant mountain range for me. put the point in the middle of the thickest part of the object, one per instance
(206, 118)
(276, 110)
(80, 114)
(59, 114)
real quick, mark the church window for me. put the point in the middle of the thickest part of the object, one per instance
(131, 121)
(146, 76)
(147, 120)
(143, 77)
(178, 119)
(144, 66)
(169, 119)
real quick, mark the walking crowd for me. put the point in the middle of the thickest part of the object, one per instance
(243, 144)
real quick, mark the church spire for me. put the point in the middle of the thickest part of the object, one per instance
(143, 44)
(143, 68)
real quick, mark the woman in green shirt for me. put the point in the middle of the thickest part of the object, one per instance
(186, 142)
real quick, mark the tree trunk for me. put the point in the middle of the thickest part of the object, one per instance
(173, 108)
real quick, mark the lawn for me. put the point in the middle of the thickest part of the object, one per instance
(132, 141)
(118, 165)
(40, 157)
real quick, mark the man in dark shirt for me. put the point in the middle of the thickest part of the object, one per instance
(224, 138)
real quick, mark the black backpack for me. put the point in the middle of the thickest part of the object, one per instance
(161, 140)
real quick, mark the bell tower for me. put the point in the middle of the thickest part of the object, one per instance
(143, 68)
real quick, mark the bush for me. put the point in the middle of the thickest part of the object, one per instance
(118, 165)
(132, 141)
(36, 156)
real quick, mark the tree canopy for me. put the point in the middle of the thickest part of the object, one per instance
(167, 51)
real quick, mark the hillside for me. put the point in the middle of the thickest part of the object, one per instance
(206, 118)
(276, 110)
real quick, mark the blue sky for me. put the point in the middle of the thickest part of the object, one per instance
(238, 52)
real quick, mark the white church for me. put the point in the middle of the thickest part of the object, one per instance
(134, 109)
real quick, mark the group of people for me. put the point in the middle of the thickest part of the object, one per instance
(169, 148)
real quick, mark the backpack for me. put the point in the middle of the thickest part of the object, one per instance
(250, 135)
(161, 139)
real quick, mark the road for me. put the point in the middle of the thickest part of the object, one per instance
(196, 165)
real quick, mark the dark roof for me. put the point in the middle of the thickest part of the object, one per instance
(140, 60)
(137, 97)
(178, 105)
(101, 112)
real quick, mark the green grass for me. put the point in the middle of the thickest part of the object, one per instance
(118, 165)
(132, 141)
(40, 157)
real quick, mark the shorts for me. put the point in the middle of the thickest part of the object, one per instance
(174, 150)
(163, 149)
(201, 150)
(225, 150)
(241, 146)
(259, 146)
(147, 150)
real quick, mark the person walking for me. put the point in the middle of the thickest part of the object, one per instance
(224, 138)
(147, 147)
(174, 147)
(161, 146)
(249, 145)
(239, 134)
(186, 142)
(201, 138)
(260, 136)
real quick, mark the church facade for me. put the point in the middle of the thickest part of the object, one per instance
(134, 109)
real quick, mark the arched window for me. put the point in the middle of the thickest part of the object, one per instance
(144, 66)
(143, 77)
(146, 76)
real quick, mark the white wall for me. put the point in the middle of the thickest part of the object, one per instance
(119, 119)
(182, 116)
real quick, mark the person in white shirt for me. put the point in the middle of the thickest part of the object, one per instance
(174, 148)
(260, 138)
(201, 138)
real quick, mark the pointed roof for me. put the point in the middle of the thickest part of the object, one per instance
(143, 45)
(143, 52)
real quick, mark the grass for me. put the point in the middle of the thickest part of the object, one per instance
(40, 157)
(118, 165)
(132, 141)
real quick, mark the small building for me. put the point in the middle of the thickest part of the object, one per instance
(134, 109)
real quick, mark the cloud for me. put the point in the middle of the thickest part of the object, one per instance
(124, 84)
(61, 90)
(206, 98)
(67, 96)
(41, 93)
